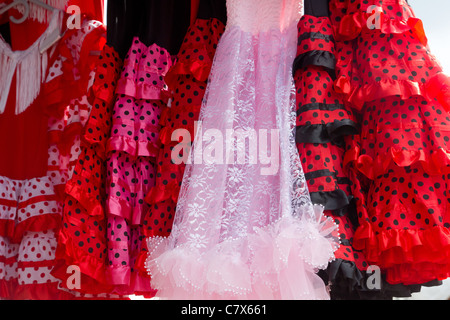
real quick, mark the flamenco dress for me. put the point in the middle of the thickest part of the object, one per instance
(400, 160)
(246, 229)
(132, 146)
(43, 108)
(187, 81)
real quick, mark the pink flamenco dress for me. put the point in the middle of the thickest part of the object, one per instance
(131, 155)
(245, 226)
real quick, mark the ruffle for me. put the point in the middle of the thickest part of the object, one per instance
(354, 19)
(411, 250)
(161, 193)
(38, 223)
(322, 59)
(140, 91)
(315, 45)
(85, 190)
(434, 163)
(93, 271)
(132, 147)
(196, 53)
(437, 86)
(142, 77)
(102, 93)
(332, 200)
(277, 253)
(352, 25)
(74, 80)
(325, 133)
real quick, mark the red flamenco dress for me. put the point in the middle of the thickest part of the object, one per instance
(400, 160)
(43, 108)
(322, 123)
(82, 239)
(187, 80)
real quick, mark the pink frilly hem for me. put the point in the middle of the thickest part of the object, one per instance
(277, 262)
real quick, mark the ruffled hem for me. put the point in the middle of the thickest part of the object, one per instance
(410, 274)
(93, 270)
(325, 133)
(11, 290)
(402, 247)
(281, 263)
(434, 164)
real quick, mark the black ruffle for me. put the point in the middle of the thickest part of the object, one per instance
(336, 201)
(325, 133)
(318, 58)
(350, 283)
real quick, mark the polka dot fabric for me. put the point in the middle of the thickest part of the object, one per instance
(82, 239)
(132, 150)
(187, 84)
(32, 208)
(322, 123)
(400, 159)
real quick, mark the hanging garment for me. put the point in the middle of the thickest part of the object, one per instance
(82, 239)
(324, 123)
(187, 81)
(400, 159)
(163, 23)
(242, 230)
(43, 139)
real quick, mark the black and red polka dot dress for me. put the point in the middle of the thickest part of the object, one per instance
(187, 81)
(323, 121)
(82, 239)
(400, 158)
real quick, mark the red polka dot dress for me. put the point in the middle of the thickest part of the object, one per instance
(187, 81)
(82, 239)
(141, 95)
(389, 77)
(43, 140)
(322, 123)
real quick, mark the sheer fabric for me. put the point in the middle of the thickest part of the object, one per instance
(245, 226)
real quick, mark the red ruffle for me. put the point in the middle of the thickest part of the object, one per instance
(161, 193)
(357, 96)
(196, 53)
(93, 270)
(87, 199)
(398, 246)
(11, 290)
(35, 224)
(7, 228)
(435, 163)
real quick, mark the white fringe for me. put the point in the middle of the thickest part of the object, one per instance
(30, 73)
(41, 14)
(30, 67)
(7, 69)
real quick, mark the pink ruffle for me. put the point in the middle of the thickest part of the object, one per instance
(280, 263)
(142, 91)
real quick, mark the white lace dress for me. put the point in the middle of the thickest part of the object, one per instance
(245, 227)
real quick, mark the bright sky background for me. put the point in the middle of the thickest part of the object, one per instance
(435, 15)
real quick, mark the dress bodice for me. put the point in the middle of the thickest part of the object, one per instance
(257, 16)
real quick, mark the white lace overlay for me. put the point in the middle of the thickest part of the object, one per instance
(245, 227)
